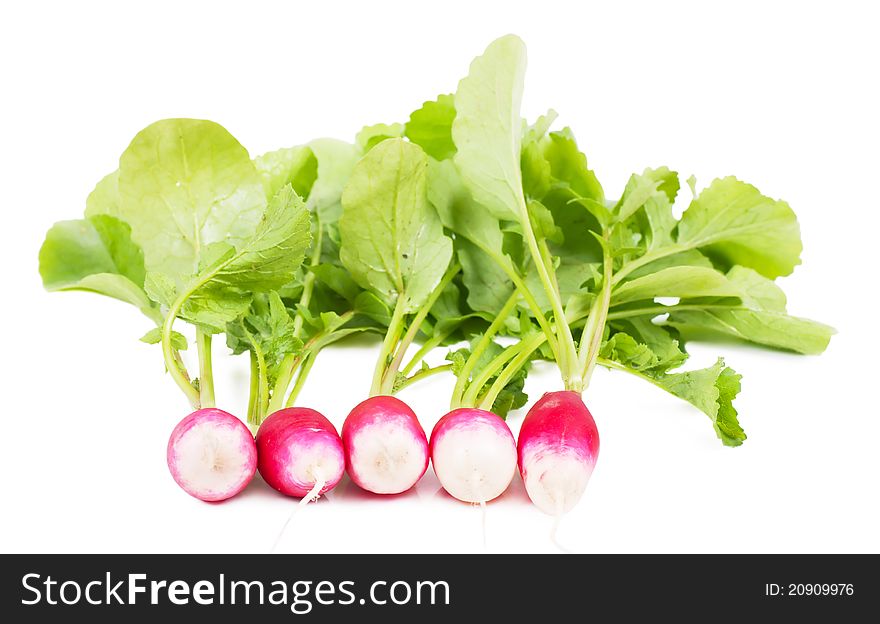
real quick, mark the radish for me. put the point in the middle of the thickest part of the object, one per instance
(300, 453)
(558, 447)
(474, 454)
(212, 455)
(386, 449)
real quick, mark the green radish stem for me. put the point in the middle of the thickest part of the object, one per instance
(526, 348)
(206, 373)
(594, 329)
(480, 347)
(253, 395)
(390, 373)
(470, 396)
(395, 329)
(423, 374)
(304, 371)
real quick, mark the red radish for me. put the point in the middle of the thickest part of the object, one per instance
(558, 446)
(386, 449)
(474, 454)
(300, 453)
(212, 455)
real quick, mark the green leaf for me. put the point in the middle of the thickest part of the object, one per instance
(370, 136)
(430, 127)
(734, 224)
(691, 257)
(183, 185)
(160, 288)
(644, 346)
(711, 390)
(266, 327)
(96, 254)
(270, 257)
(488, 287)
(537, 177)
(760, 318)
(392, 239)
(104, 199)
(676, 281)
(368, 304)
(569, 165)
(154, 336)
(542, 223)
(487, 130)
(457, 209)
(296, 166)
(336, 160)
(511, 396)
(338, 280)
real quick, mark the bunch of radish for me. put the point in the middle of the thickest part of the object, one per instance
(465, 228)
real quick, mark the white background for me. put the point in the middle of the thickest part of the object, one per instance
(784, 95)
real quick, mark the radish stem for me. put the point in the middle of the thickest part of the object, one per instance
(480, 347)
(206, 373)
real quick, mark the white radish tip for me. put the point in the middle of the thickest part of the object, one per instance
(474, 464)
(386, 458)
(212, 456)
(556, 481)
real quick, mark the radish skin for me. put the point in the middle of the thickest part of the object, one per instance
(386, 449)
(212, 455)
(300, 453)
(558, 447)
(474, 454)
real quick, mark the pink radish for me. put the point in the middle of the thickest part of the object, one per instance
(300, 453)
(558, 446)
(212, 455)
(474, 454)
(386, 449)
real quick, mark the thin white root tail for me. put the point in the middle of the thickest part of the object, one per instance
(560, 502)
(312, 495)
(483, 520)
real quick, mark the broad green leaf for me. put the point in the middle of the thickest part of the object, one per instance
(760, 318)
(457, 209)
(338, 280)
(104, 199)
(487, 285)
(691, 257)
(734, 224)
(296, 166)
(96, 254)
(661, 341)
(712, 390)
(269, 258)
(569, 165)
(336, 160)
(265, 262)
(392, 239)
(487, 130)
(537, 177)
(676, 281)
(542, 223)
(370, 136)
(430, 127)
(368, 304)
(160, 288)
(184, 184)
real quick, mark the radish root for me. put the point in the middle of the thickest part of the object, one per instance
(312, 495)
